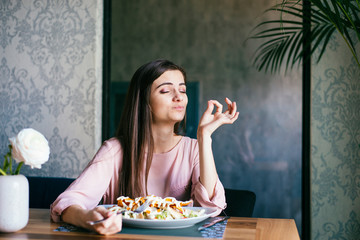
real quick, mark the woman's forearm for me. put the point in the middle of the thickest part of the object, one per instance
(209, 122)
(208, 173)
(78, 216)
(75, 215)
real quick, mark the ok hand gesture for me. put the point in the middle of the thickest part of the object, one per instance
(209, 121)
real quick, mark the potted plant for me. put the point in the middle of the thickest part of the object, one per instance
(31, 148)
(284, 37)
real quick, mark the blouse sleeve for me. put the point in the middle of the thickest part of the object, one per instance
(88, 189)
(199, 193)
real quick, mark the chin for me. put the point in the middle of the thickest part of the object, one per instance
(176, 120)
(180, 118)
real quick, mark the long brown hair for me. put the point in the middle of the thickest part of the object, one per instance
(134, 130)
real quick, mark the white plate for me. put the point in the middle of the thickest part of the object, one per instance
(168, 224)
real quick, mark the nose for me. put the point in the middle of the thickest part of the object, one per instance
(178, 96)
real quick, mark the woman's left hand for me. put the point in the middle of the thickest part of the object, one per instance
(209, 121)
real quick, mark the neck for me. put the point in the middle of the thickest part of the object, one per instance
(164, 138)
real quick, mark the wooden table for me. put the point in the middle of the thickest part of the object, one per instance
(40, 227)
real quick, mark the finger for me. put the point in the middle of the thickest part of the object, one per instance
(103, 211)
(219, 106)
(233, 119)
(230, 119)
(100, 208)
(98, 215)
(210, 107)
(109, 221)
(112, 225)
(233, 109)
(229, 104)
(228, 101)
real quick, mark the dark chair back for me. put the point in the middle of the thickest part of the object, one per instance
(240, 203)
(44, 190)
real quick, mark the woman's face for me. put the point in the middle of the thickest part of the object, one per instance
(168, 99)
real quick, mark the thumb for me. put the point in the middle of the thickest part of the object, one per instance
(210, 107)
(104, 212)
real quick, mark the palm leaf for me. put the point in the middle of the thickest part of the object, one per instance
(294, 48)
(343, 16)
(323, 38)
(281, 34)
(284, 38)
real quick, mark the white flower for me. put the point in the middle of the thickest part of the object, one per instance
(30, 147)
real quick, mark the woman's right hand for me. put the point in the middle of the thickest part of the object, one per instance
(80, 217)
(111, 225)
(209, 121)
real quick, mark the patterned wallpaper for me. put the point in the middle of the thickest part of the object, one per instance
(50, 78)
(336, 145)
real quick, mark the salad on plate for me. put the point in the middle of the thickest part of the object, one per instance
(167, 208)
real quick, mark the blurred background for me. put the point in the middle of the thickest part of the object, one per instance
(261, 152)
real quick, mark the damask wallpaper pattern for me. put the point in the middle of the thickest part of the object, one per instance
(336, 145)
(50, 78)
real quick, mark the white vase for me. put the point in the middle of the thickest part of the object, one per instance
(14, 202)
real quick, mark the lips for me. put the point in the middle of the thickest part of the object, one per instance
(179, 108)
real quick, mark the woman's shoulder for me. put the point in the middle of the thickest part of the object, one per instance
(189, 143)
(112, 142)
(111, 147)
(189, 140)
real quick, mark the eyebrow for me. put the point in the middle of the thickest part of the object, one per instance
(169, 83)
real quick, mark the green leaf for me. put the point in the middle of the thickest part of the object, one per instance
(2, 172)
(323, 38)
(7, 162)
(17, 171)
(284, 38)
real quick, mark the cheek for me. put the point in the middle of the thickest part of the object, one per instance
(186, 100)
(156, 104)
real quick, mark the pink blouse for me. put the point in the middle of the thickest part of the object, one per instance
(175, 173)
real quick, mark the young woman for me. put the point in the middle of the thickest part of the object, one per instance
(148, 155)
